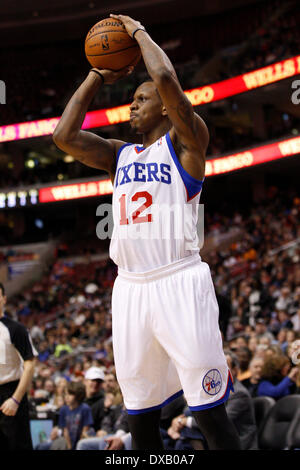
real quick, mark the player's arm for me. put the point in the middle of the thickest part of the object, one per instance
(87, 147)
(189, 130)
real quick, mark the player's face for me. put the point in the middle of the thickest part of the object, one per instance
(146, 108)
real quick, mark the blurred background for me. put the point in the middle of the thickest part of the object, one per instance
(57, 273)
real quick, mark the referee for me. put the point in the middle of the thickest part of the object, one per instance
(17, 362)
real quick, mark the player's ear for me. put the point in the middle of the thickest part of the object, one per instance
(164, 111)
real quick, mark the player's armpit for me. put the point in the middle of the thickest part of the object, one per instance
(91, 149)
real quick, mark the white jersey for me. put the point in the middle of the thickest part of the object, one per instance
(155, 208)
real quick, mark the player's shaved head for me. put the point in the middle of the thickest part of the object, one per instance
(150, 83)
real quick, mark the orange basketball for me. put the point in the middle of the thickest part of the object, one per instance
(109, 46)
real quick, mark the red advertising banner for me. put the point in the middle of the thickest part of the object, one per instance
(254, 156)
(214, 166)
(197, 96)
(75, 191)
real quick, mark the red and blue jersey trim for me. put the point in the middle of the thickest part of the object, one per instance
(139, 148)
(192, 185)
(157, 407)
(120, 150)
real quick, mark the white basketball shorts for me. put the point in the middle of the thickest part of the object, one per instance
(166, 337)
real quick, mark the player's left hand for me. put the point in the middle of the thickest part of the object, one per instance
(9, 407)
(130, 24)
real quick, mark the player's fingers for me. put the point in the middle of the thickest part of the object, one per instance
(117, 17)
(121, 17)
(125, 71)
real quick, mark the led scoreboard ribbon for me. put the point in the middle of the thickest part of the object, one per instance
(197, 96)
(18, 198)
(214, 166)
(254, 156)
(75, 191)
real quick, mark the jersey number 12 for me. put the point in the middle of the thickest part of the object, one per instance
(136, 217)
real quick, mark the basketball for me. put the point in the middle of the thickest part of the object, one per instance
(109, 46)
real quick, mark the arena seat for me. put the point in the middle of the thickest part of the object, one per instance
(262, 407)
(280, 420)
(293, 437)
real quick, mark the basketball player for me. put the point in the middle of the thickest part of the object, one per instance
(166, 336)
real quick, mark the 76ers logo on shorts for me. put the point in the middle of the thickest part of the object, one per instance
(212, 382)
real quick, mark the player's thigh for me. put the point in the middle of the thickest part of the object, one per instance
(144, 372)
(187, 327)
(187, 321)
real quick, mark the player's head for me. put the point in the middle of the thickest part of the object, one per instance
(147, 111)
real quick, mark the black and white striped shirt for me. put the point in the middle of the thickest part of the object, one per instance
(15, 348)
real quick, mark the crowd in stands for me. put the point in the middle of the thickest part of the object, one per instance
(257, 281)
(271, 43)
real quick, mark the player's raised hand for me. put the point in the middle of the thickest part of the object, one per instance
(130, 24)
(110, 76)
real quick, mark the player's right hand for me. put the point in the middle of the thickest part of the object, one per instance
(110, 76)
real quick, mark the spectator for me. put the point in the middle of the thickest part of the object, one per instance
(295, 319)
(110, 414)
(240, 407)
(60, 392)
(119, 439)
(44, 351)
(261, 330)
(244, 356)
(284, 319)
(75, 418)
(94, 379)
(62, 347)
(49, 386)
(285, 300)
(252, 344)
(282, 339)
(111, 385)
(255, 368)
(277, 377)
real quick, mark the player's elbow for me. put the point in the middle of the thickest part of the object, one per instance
(61, 138)
(56, 137)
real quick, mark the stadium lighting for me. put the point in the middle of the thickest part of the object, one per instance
(69, 159)
(30, 163)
